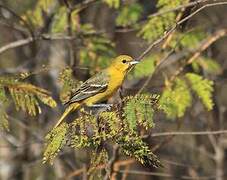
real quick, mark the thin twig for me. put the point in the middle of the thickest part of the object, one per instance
(110, 168)
(27, 25)
(194, 133)
(180, 7)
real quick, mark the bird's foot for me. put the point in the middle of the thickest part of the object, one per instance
(103, 106)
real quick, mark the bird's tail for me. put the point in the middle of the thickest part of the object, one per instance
(70, 108)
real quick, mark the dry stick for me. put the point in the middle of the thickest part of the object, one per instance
(166, 34)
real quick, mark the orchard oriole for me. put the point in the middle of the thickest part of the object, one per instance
(100, 86)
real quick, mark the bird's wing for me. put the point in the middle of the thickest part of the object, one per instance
(96, 84)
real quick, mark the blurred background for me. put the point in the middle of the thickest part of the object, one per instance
(43, 37)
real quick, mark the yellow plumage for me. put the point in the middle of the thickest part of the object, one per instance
(100, 86)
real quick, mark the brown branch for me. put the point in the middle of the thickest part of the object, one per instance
(217, 35)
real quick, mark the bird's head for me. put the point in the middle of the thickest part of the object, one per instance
(124, 63)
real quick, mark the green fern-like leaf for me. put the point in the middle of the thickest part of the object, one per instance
(4, 123)
(25, 95)
(156, 26)
(208, 65)
(137, 149)
(113, 123)
(144, 68)
(188, 40)
(138, 111)
(56, 139)
(203, 88)
(175, 100)
(98, 52)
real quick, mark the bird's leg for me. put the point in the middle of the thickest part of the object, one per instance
(105, 106)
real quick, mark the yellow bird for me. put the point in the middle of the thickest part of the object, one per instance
(100, 86)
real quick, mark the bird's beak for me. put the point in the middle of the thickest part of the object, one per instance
(133, 62)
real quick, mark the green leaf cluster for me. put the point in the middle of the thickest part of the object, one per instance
(187, 40)
(208, 65)
(92, 131)
(139, 150)
(96, 51)
(178, 97)
(145, 67)
(25, 96)
(56, 139)
(157, 25)
(203, 88)
(138, 112)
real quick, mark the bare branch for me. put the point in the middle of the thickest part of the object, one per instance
(29, 40)
(15, 44)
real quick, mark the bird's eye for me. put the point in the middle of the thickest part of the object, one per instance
(124, 61)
